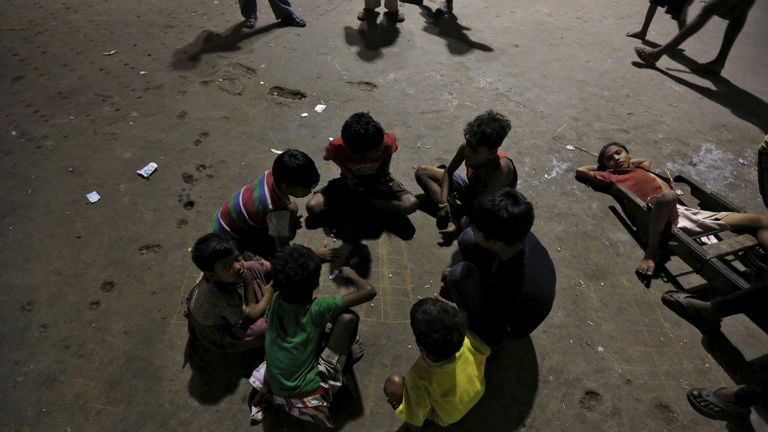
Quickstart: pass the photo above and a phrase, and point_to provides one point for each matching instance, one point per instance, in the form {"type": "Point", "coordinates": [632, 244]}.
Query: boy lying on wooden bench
{"type": "Point", "coordinates": [616, 168]}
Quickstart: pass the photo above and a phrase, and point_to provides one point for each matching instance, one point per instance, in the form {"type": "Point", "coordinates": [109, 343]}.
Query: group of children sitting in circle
{"type": "Point", "coordinates": [500, 285]}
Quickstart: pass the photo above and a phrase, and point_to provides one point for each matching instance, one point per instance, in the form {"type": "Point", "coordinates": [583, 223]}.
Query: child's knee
{"type": "Point", "coordinates": [667, 198]}
{"type": "Point", "coordinates": [316, 204]}
{"type": "Point", "coordinates": [409, 204]}
{"type": "Point", "coordinates": [422, 173]}
{"type": "Point", "coordinates": [347, 320]}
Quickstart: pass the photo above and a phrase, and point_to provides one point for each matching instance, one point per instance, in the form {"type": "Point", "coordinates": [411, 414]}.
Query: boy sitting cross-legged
{"type": "Point", "coordinates": [616, 167]}
{"type": "Point", "coordinates": [449, 377]}
{"type": "Point", "coordinates": [300, 374]}
{"type": "Point", "coordinates": [448, 195]}
{"type": "Point", "coordinates": [366, 199]}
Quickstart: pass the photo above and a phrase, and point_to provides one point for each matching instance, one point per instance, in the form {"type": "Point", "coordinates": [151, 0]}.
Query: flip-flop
{"type": "Point", "coordinates": [674, 301]}
{"type": "Point", "coordinates": [706, 402]}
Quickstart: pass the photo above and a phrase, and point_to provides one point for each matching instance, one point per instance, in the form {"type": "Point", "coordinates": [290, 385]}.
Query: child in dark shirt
{"type": "Point", "coordinates": [447, 194]}
{"type": "Point", "coordinates": [505, 279]}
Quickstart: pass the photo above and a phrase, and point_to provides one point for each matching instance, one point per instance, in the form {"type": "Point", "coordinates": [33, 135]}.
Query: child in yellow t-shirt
{"type": "Point", "coordinates": [448, 378]}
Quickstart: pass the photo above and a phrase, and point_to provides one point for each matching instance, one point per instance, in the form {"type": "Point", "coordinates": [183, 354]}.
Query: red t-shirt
{"type": "Point", "coordinates": [360, 166]}
{"type": "Point", "coordinates": [639, 181]}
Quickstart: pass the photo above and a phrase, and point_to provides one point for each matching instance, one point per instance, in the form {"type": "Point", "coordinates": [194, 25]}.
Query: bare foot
{"type": "Point", "coordinates": [449, 234]}
{"type": "Point", "coordinates": [647, 56]}
{"type": "Point", "coordinates": [646, 267]}
{"type": "Point", "coordinates": [637, 35]}
{"type": "Point", "coordinates": [710, 68]}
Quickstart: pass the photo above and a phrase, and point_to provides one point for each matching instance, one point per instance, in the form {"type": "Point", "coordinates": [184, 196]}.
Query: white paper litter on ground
{"type": "Point", "coordinates": [320, 108]}
{"type": "Point", "coordinates": [93, 197]}
{"type": "Point", "coordinates": [275, 151]}
{"type": "Point", "coordinates": [304, 114]}
{"type": "Point", "coordinates": [147, 170]}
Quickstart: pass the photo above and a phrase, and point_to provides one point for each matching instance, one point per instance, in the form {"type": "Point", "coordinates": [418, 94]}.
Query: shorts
{"type": "Point", "coordinates": [338, 193]}
{"type": "Point", "coordinates": [674, 8]}
{"type": "Point", "coordinates": [694, 221]}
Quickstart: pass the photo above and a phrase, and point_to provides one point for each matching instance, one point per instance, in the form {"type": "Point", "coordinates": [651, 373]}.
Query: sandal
{"type": "Point", "coordinates": [643, 54]}
{"type": "Point", "coordinates": [367, 14]}
{"type": "Point", "coordinates": [707, 403]}
{"type": "Point", "coordinates": [674, 301]}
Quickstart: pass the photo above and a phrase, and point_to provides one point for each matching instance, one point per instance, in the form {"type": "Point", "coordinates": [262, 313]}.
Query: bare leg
{"type": "Point", "coordinates": [664, 212]}
{"type": "Point", "coordinates": [682, 20]}
{"type": "Point", "coordinates": [750, 220]}
{"type": "Point", "coordinates": [344, 333]}
{"type": "Point", "coordinates": [651, 56]}
{"type": "Point", "coordinates": [428, 178]}
{"type": "Point", "coordinates": [640, 34]}
{"type": "Point", "coordinates": [715, 67]}
{"type": "Point", "coordinates": [406, 205]}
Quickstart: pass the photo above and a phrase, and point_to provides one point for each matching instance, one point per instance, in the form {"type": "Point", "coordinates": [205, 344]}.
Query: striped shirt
{"type": "Point", "coordinates": [249, 207]}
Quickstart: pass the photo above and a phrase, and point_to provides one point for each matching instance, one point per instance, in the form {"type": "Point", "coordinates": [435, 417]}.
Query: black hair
{"type": "Point", "coordinates": [211, 248]}
{"type": "Point", "coordinates": [295, 168]}
{"type": "Point", "coordinates": [505, 215]}
{"type": "Point", "coordinates": [488, 130]}
{"type": "Point", "coordinates": [361, 133]}
{"type": "Point", "coordinates": [602, 153]}
{"type": "Point", "coordinates": [439, 327]}
{"type": "Point", "coordinates": [295, 273]}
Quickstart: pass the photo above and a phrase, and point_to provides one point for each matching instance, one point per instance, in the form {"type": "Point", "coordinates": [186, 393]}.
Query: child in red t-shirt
{"type": "Point", "coordinates": [365, 196]}
{"type": "Point", "coordinates": [616, 167]}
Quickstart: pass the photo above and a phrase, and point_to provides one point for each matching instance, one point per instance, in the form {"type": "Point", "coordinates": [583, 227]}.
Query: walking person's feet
{"type": "Point", "coordinates": [709, 68]}
{"type": "Point", "coordinates": [394, 16]}
{"type": "Point", "coordinates": [717, 403]}
{"type": "Point", "coordinates": [637, 35]}
{"type": "Point", "coordinates": [444, 10]}
{"type": "Point", "coordinates": [367, 14]}
{"type": "Point", "coordinates": [249, 23]}
{"type": "Point", "coordinates": [292, 21]}
{"type": "Point", "coordinates": [647, 56]}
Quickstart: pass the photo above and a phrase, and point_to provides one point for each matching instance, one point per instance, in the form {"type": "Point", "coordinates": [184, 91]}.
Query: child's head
{"type": "Point", "coordinates": [295, 273]}
{"type": "Point", "coordinates": [217, 257]}
{"type": "Point", "coordinates": [439, 328]}
{"type": "Point", "coordinates": [483, 137]}
{"type": "Point", "coordinates": [501, 218]}
{"type": "Point", "coordinates": [295, 172]}
{"type": "Point", "coordinates": [361, 133]}
{"type": "Point", "coordinates": [613, 156]}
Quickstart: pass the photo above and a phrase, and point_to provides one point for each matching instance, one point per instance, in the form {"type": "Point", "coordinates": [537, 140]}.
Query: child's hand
{"type": "Point", "coordinates": [268, 290]}
{"type": "Point", "coordinates": [348, 272]}
{"type": "Point", "coordinates": [326, 253]}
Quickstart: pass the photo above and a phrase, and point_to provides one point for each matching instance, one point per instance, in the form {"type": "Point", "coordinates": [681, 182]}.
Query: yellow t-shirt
{"type": "Point", "coordinates": [444, 392]}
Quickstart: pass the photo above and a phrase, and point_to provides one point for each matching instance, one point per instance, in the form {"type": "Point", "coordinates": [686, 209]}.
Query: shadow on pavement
{"type": "Point", "coordinates": [448, 28]}
{"type": "Point", "coordinates": [740, 102]}
{"type": "Point", "coordinates": [208, 41]}
{"type": "Point", "coordinates": [511, 383]}
{"type": "Point", "coordinates": [741, 371]}
{"type": "Point", "coordinates": [370, 37]}
{"type": "Point", "coordinates": [216, 374]}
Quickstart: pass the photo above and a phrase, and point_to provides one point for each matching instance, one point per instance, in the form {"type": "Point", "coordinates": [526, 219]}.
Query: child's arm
{"type": "Point", "coordinates": [445, 181]}
{"type": "Point", "coordinates": [641, 163]}
{"type": "Point", "coordinates": [594, 178]}
{"type": "Point", "coordinates": [363, 294]}
{"type": "Point", "coordinates": [254, 311]}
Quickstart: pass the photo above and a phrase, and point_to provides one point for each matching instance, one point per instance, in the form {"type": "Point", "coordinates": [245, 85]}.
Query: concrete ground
{"type": "Point", "coordinates": [91, 296]}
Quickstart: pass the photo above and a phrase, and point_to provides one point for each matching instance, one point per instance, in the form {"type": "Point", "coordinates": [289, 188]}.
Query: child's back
{"type": "Point", "coordinates": [448, 379]}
